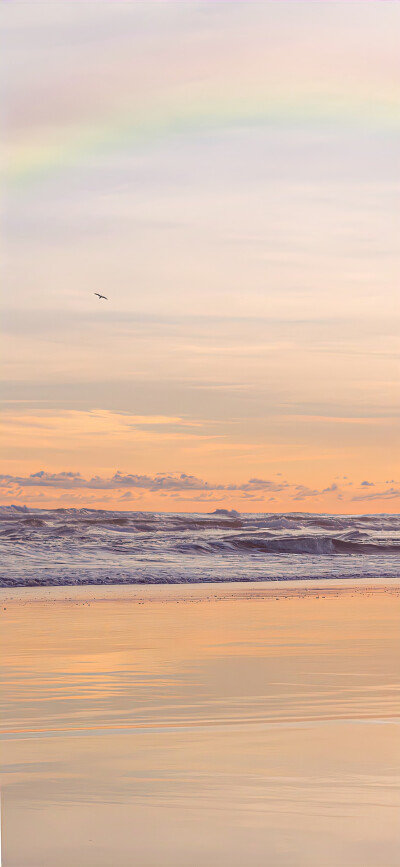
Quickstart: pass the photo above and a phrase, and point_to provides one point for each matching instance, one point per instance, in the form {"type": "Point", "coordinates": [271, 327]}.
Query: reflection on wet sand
{"type": "Point", "coordinates": [201, 727]}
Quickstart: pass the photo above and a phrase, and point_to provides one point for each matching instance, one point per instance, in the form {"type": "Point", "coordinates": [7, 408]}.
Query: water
{"type": "Point", "coordinates": [87, 546]}
{"type": "Point", "coordinates": [199, 726]}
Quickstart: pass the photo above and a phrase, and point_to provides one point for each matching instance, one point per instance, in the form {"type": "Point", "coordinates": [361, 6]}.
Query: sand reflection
{"type": "Point", "coordinates": [201, 728]}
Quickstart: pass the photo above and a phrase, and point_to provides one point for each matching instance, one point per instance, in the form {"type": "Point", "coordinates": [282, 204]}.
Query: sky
{"type": "Point", "coordinates": [227, 174]}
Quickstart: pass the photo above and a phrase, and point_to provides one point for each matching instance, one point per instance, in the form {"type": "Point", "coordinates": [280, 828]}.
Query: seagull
{"type": "Point", "coordinates": [100, 296]}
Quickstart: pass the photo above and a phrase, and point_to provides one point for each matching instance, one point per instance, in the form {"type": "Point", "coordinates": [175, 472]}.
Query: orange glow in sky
{"type": "Point", "coordinates": [225, 174]}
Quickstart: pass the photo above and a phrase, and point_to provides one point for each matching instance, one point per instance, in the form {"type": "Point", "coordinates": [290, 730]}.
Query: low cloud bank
{"type": "Point", "coordinates": [159, 482]}
{"type": "Point", "coordinates": [181, 483]}
{"type": "Point", "coordinates": [389, 494]}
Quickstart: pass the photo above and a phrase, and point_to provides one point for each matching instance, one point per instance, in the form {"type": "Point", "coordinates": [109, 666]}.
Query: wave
{"type": "Point", "coordinates": [100, 546]}
{"type": "Point", "coordinates": [315, 545]}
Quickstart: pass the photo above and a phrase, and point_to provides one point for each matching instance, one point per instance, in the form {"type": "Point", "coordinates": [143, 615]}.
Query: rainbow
{"type": "Point", "coordinates": [68, 147]}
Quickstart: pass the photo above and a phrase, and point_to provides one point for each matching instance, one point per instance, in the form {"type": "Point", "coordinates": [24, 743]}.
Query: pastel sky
{"type": "Point", "coordinates": [227, 173]}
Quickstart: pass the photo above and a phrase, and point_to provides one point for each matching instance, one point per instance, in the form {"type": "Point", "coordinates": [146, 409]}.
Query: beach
{"type": "Point", "coordinates": [200, 479]}
{"type": "Point", "coordinates": [202, 725]}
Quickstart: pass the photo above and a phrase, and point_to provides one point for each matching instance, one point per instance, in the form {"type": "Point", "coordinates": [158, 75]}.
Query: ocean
{"type": "Point", "coordinates": [88, 546]}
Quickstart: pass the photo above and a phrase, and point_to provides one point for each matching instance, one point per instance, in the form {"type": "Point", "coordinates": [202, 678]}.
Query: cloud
{"type": "Point", "coordinates": [302, 492]}
{"type": "Point", "coordinates": [41, 479]}
{"type": "Point", "coordinates": [389, 494]}
{"type": "Point", "coordinates": [182, 486]}
{"type": "Point", "coordinates": [159, 482]}
{"type": "Point", "coordinates": [162, 483]}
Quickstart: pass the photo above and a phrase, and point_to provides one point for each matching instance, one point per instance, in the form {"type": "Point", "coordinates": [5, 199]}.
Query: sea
{"type": "Point", "coordinates": [93, 546]}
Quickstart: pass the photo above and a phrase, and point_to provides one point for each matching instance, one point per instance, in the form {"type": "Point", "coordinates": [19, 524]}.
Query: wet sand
{"type": "Point", "coordinates": [197, 726]}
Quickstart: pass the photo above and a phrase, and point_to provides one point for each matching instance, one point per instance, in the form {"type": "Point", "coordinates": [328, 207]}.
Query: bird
{"type": "Point", "coordinates": [100, 296]}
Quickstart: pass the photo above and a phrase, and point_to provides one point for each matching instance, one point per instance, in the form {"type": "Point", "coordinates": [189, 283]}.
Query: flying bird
{"type": "Point", "coordinates": [100, 296]}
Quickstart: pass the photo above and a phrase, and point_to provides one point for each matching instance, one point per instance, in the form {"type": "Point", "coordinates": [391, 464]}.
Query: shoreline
{"type": "Point", "coordinates": [196, 592]}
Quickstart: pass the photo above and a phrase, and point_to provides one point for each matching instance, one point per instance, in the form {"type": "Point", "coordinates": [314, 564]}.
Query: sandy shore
{"type": "Point", "coordinates": [199, 726]}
